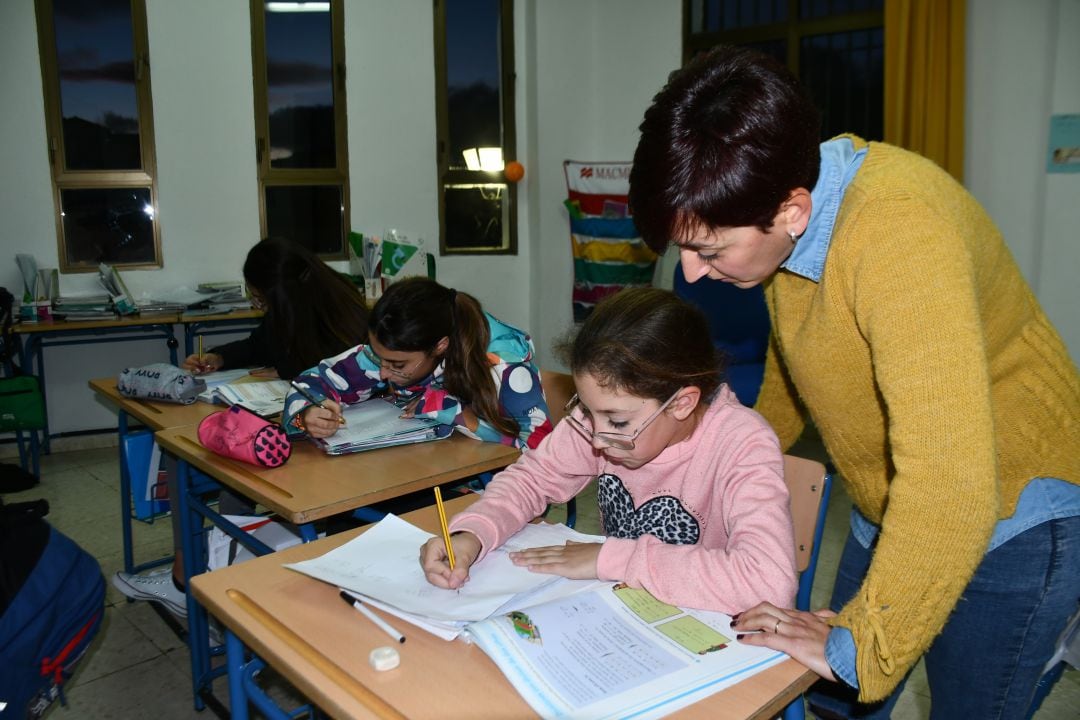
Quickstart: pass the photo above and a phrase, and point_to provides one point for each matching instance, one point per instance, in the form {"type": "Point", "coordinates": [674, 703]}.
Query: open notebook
{"type": "Point", "coordinates": [571, 648]}
{"type": "Point", "coordinates": [378, 423]}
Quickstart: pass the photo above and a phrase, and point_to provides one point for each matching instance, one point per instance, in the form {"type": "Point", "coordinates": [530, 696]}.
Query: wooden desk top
{"type": "Point", "coordinates": [313, 485]}
{"type": "Point", "coordinates": [29, 328]}
{"type": "Point", "coordinates": [436, 679]}
{"type": "Point", "coordinates": [154, 415]}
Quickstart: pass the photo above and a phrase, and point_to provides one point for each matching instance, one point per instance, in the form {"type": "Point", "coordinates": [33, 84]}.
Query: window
{"type": "Point", "coordinates": [835, 47]}
{"type": "Point", "coordinates": [95, 73]}
{"type": "Point", "coordinates": [298, 61]}
{"type": "Point", "coordinates": [474, 100]}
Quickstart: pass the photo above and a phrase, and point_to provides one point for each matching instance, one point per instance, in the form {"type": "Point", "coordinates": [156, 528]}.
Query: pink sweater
{"type": "Point", "coordinates": [706, 524]}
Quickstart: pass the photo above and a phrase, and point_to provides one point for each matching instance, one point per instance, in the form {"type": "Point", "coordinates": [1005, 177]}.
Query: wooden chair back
{"type": "Point", "coordinates": [805, 480]}
{"type": "Point", "coordinates": [558, 389]}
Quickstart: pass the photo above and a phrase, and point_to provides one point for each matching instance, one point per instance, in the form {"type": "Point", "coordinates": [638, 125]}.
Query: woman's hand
{"type": "Point", "coordinates": [800, 634]}
{"type": "Point", "coordinates": [437, 566]}
{"type": "Point", "coordinates": [322, 422]}
{"type": "Point", "coordinates": [573, 560]}
{"type": "Point", "coordinates": [201, 364]}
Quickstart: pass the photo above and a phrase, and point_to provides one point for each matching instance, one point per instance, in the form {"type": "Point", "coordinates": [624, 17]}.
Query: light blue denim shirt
{"type": "Point", "coordinates": [1042, 500]}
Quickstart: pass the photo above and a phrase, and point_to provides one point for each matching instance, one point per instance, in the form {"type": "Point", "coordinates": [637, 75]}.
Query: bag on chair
{"type": "Point", "coordinates": [242, 435]}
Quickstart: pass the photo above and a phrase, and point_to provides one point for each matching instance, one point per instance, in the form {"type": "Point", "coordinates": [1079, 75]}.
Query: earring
{"type": "Point", "coordinates": [791, 234]}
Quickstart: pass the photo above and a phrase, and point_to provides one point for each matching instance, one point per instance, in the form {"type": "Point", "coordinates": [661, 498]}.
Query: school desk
{"type": "Point", "coordinates": [34, 337]}
{"type": "Point", "coordinates": [155, 416]}
{"type": "Point", "coordinates": [265, 607]}
{"type": "Point", "coordinates": [310, 486]}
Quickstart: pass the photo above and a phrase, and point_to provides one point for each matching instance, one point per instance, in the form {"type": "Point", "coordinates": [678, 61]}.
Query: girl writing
{"type": "Point", "coordinates": [437, 354]}
{"type": "Point", "coordinates": [690, 482]}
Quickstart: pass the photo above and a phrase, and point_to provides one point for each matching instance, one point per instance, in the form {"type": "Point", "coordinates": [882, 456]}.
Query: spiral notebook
{"type": "Point", "coordinates": [378, 423]}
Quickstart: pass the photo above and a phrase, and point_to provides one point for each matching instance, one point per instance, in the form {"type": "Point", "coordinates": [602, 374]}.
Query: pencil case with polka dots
{"type": "Point", "coordinates": [242, 435]}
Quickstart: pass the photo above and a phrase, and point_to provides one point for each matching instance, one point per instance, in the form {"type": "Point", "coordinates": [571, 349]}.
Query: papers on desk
{"type": "Point", "coordinates": [378, 423]}
{"type": "Point", "coordinates": [571, 648]}
{"type": "Point", "coordinates": [264, 398]}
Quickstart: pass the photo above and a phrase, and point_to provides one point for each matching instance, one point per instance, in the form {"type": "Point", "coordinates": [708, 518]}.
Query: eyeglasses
{"type": "Point", "coordinates": [379, 363]}
{"type": "Point", "coordinates": [619, 441]}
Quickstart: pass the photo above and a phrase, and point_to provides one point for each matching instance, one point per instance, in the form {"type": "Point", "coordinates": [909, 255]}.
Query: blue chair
{"type": "Point", "coordinates": [739, 326]}
{"type": "Point", "coordinates": [809, 485]}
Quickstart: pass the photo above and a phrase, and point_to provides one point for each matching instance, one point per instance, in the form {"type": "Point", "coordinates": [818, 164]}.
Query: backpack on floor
{"type": "Point", "coordinates": [52, 600]}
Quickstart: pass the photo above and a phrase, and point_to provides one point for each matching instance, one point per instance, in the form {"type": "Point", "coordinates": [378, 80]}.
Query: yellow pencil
{"type": "Point", "coordinates": [445, 527]}
{"type": "Point", "coordinates": [200, 351]}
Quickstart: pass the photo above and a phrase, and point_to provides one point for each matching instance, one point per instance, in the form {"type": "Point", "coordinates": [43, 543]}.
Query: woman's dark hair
{"type": "Point", "coordinates": [647, 342]}
{"type": "Point", "coordinates": [724, 143]}
{"type": "Point", "coordinates": [311, 308]}
{"type": "Point", "coordinates": [415, 313]}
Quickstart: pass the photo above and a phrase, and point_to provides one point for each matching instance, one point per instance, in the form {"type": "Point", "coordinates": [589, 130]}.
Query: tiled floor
{"type": "Point", "coordinates": [137, 668]}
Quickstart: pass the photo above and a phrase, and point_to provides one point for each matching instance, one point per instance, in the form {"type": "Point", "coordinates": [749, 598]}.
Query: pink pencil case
{"type": "Point", "coordinates": [242, 435]}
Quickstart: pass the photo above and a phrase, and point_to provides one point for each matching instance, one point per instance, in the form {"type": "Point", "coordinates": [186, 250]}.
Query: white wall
{"type": "Point", "coordinates": [1022, 61]}
{"type": "Point", "coordinates": [585, 73]}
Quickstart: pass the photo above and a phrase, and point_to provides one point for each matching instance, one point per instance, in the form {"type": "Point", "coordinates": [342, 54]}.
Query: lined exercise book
{"type": "Point", "coordinates": [378, 423]}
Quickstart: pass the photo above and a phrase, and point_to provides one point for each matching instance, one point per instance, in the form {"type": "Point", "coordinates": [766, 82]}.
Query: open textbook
{"type": "Point", "coordinates": [265, 398]}
{"type": "Point", "coordinates": [571, 648]}
{"type": "Point", "coordinates": [378, 423]}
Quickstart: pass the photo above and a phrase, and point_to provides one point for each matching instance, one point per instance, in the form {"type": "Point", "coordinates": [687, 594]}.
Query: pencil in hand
{"type": "Point", "coordinates": [308, 396]}
{"type": "Point", "coordinates": [444, 526]}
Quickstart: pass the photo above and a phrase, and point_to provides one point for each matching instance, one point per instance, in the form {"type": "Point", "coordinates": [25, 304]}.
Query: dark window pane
{"type": "Point", "coordinates": [311, 215]}
{"type": "Point", "coordinates": [300, 89]}
{"type": "Point", "coordinates": [775, 48]}
{"type": "Point", "coordinates": [476, 216]}
{"type": "Point", "coordinates": [844, 73]}
{"type": "Point", "coordinates": [472, 73]}
{"type": "Point", "coordinates": [114, 225]}
{"type": "Point", "coordinates": [95, 60]}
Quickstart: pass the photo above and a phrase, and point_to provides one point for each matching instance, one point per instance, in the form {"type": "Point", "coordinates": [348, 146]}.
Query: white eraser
{"type": "Point", "coordinates": [384, 658]}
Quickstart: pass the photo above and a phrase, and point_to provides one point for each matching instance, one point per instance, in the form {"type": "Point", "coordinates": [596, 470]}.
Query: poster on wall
{"type": "Point", "coordinates": [1064, 151]}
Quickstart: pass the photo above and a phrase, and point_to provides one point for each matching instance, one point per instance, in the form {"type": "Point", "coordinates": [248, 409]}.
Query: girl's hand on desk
{"type": "Point", "coordinates": [322, 422]}
{"type": "Point", "coordinates": [207, 362]}
{"type": "Point", "coordinates": [573, 560]}
{"type": "Point", "coordinates": [436, 566]}
{"type": "Point", "coordinates": [800, 634]}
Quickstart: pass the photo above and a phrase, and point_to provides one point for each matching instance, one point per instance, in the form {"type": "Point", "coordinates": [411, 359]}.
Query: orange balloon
{"type": "Point", "coordinates": [514, 171]}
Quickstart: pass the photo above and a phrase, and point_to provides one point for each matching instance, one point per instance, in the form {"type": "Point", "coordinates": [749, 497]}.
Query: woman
{"type": "Point", "coordinates": [437, 354]}
{"type": "Point", "coordinates": [946, 399]}
{"type": "Point", "coordinates": [312, 312]}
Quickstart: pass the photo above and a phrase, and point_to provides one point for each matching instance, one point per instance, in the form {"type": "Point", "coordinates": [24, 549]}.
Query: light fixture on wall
{"type": "Point", "coordinates": [298, 6]}
{"type": "Point", "coordinates": [485, 159]}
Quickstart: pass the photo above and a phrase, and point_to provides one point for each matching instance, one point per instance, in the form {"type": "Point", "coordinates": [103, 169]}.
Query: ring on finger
{"type": "Point", "coordinates": [776, 628]}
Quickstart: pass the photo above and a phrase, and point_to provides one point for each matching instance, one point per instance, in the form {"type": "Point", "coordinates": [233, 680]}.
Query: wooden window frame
{"type": "Point", "coordinates": [270, 176]}
{"type": "Point", "coordinates": [507, 94]}
{"type": "Point", "coordinates": [65, 179]}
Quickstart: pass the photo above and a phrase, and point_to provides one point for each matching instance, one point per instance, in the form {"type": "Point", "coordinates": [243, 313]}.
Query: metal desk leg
{"type": "Point", "coordinates": [125, 496]}
{"type": "Point", "coordinates": [234, 660]}
{"type": "Point", "coordinates": [194, 563]}
{"type": "Point", "coordinates": [307, 532]}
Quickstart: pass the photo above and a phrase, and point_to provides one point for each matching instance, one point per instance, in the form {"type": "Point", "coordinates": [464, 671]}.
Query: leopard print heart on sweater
{"type": "Point", "coordinates": [663, 517]}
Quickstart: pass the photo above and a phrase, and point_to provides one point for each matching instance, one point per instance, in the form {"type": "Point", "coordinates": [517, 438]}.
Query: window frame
{"type": "Point", "coordinates": [792, 31]}
{"type": "Point", "coordinates": [507, 95]}
{"type": "Point", "coordinates": [65, 179]}
{"type": "Point", "coordinates": [269, 176]}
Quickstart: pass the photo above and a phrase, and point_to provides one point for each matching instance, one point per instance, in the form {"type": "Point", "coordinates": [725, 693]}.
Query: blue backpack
{"type": "Point", "coordinates": [52, 600]}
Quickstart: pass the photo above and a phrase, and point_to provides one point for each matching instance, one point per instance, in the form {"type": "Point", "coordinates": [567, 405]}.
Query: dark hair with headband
{"type": "Point", "coordinates": [647, 342]}
{"type": "Point", "coordinates": [414, 314]}
{"type": "Point", "coordinates": [312, 310]}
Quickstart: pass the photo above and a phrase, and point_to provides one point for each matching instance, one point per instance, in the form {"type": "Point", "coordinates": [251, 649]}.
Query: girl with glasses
{"type": "Point", "coordinates": [689, 482]}
{"type": "Point", "coordinates": [437, 354]}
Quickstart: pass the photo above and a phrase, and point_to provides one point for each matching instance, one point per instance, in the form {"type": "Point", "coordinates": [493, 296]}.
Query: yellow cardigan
{"type": "Point", "coordinates": [938, 386]}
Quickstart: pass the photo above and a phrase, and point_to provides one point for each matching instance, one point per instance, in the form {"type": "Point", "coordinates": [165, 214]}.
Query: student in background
{"type": "Point", "coordinates": [312, 312]}
{"type": "Point", "coordinates": [902, 325]}
{"type": "Point", "coordinates": [437, 354]}
{"type": "Point", "coordinates": [689, 482]}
